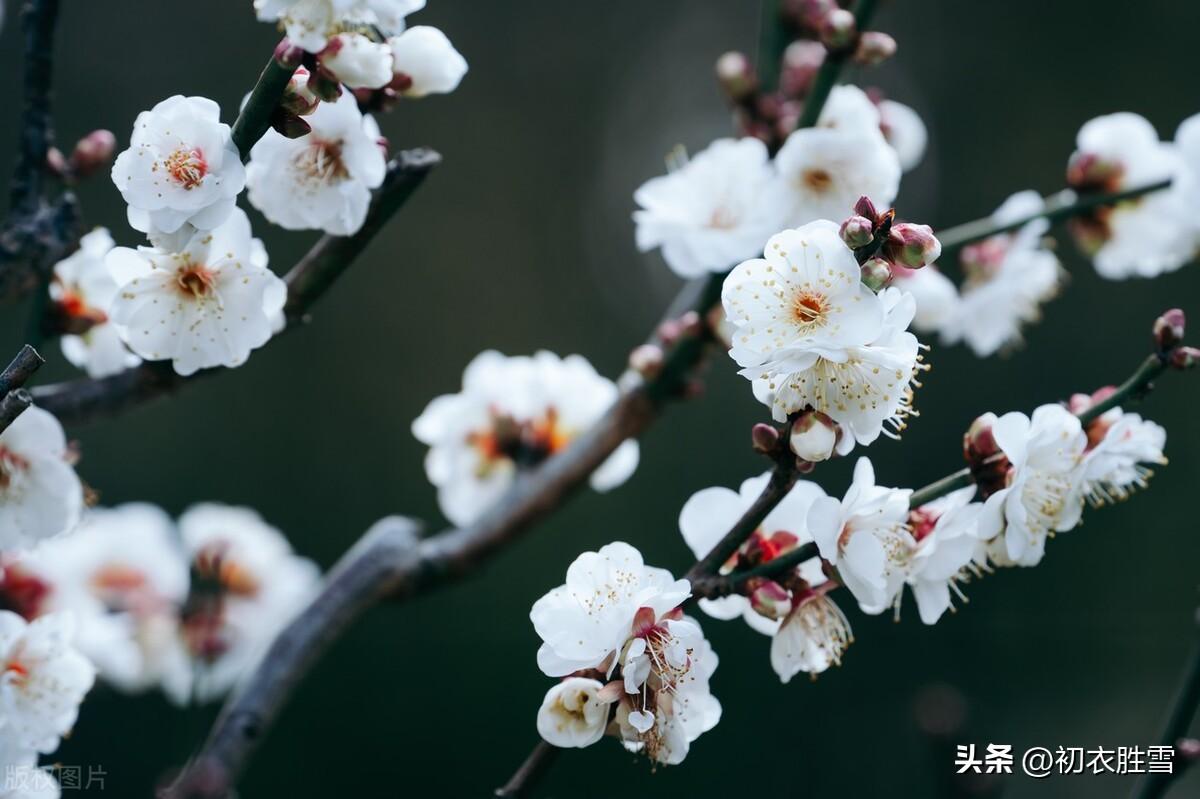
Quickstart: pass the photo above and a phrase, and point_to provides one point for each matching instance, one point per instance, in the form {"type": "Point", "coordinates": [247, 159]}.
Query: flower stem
{"type": "Point", "coordinates": [15, 400]}
{"type": "Point", "coordinates": [827, 75]}
{"type": "Point", "coordinates": [1065, 204]}
{"type": "Point", "coordinates": [264, 98]}
{"type": "Point", "coordinates": [940, 488]}
{"type": "Point", "coordinates": [772, 41]}
{"type": "Point", "coordinates": [535, 766]}
{"type": "Point", "coordinates": [1183, 710]}
{"type": "Point", "coordinates": [1135, 387]}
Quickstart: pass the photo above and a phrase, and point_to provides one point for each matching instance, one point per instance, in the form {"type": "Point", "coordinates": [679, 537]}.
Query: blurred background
{"type": "Point", "coordinates": [522, 240]}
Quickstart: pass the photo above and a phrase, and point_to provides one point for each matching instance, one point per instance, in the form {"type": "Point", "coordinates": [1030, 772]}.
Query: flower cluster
{"type": "Point", "coordinates": [632, 664]}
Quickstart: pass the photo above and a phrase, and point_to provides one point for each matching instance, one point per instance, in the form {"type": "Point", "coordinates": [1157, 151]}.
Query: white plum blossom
{"type": "Point", "coordinates": [208, 304]}
{"type": "Point", "coordinates": [572, 715]}
{"type": "Point", "coordinates": [935, 295]}
{"type": "Point", "coordinates": [40, 494]}
{"type": "Point", "coordinates": [181, 167]}
{"type": "Point", "coordinates": [904, 131]}
{"type": "Point", "coordinates": [83, 290]}
{"type": "Point", "coordinates": [1122, 448]}
{"type": "Point", "coordinates": [1009, 276]}
{"type": "Point", "coordinates": [425, 62]}
{"type": "Point", "coordinates": [357, 61]}
{"type": "Point", "coordinates": [310, 23]}
{"type": "Point", "coordinates": [43, 680]}
{"type": "Point", "coordinates": [717, 209]}
{"type": "Point", "coordinates": [1141, 237]}
{"type": "Point", "coordinates": [124, 577]}
{"type": "Point", "coordinates": [323, 180]}
{"type": "Point", "coordinates": [21, 778]}
{"type": "Point", "coordinates": [259, 583]}
{"type": "Point", "coordinates": [1041, 495]}
{"type": "Point", "coordinates": [825, 169]}
{"type": "Point", "coordinates": [867, 537]}
{"type": "Point", "coordinates": [1185, 189]}
{"type": "Point", "coordinates": [812, 637]}
{"type": "Point", "coordinates": [513, 412]}
{"type": "Point", "coordinates": [947, 535]}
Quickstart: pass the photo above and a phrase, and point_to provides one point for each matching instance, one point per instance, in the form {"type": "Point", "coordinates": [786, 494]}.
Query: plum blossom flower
{"type": "Point", "coordinates": [208, 304]}
{"type": "Point", "coordinates": [714, 211]}
{"type": "Point", "coordinates": [357, 61]}
{"type": "Point", "coordinates": [40, 495]}
{"type": "Point", "coordinates": [249, 586]}
{"type": "Point", "coordinates": [310, 23]}
{"type": "Point", "coordinates": [572, 715]}
{"type": "Point", "coordinates": [935, 295]}
{"type": "Point", "coordinates": [1122, 448]}
{"type": "Point", "coordinates": [425, 62]}
{"type": "Point", "coordinates": [322, 180]}
{"type": "Point", "coordinates": [513, 412]}
{"type": "Point", "coordinates": [124, 577]}
{"type": "Point", "coordinates": [828, 167]}
{"type": "Point", "coordinates": [1040, 496]}
{"type": "Point", "coordinates": [1009, 276]}
{"type": "Point", "coordinates": [867, 537]}
{"type": "Point", "coordinates": [947, 544]}
{"type": "Point", "coordinates": [43, 680]}
{"type": "Point", "coordinates": [22, 778]}
{"type": "Point", "coordinates": [83, 290]}
{"type": "Point", "coordinates": [812, 637]}
{"type": "Point", "coordinates": [1141, 237]}
{"type": "Point", "coordinates": [181, 167]}
{"type": "Point", "coordinates": [1185, 189]}
{"type": "Point", "coordinates": [904, 131]}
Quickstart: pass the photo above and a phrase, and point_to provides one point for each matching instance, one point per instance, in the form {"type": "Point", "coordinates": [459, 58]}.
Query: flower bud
{"type": "Point", "coordinates": [864, 207]}
{"type": "Point", "coordinates": [876, 274]}
{"type": "Point", "coordinates": [771, 600]}
{"type": "Point", "coordinates": [1168, 329]}
{"type": "Point", "coordinates": [287, 124]}
{"type": "Point", "coordinates": [764, 438]}
{"type": "Point", "coordinates": [912, 245]}
{"type": "Point", "coordinates": [857, 231]}
{"type": "Point", "coordinates": [736, 75]}
{"type": "Point", "coordinates": [92, 153]}
{"type": "Point", "coordinates": [1090, 172]}
{"type": "Point", "coordinates": [813, 437]}
{"type": "Point", "coordinates": [801, 60]}
{"type": "Point", "coordinates": [1183, 357]}
{"type": "Point", "coordinates": [288, 55]}
{"type": "Point", "coordinates": [874, 48]}
{"type": "Point", "coordinates": [808, 13]}
{"type": "Point", "coordinates": [298, 98]}
{"type": "Point", "coordinates": [838, 29]}
{"type": "Point", "coordinates": [978, 442]}
{"type": "Point", "coordinates": [1187, 750]}
{"type": "Point", "coordinates": [324, 85]}
{"type": "Point", "coordinates": [646, 360]}
{"type": "Point", "coordinates": [56, 162]}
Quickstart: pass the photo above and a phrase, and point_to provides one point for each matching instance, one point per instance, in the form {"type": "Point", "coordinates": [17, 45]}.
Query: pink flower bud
{"type": "Point", "coordinates": [813, 437]}
{"type": "Point", "coordinates": [771, 600]}
{"type": "Point", "coordinates": [764, 438]}
{"type": "Point", "coordinates": [1183, 357]}
{"type": "Point", "coordinates": [288, 55]}
{"type": "Point", "coordinates": [801, 60]}
{"type": "Point", "coordinates": [298, 98]}
{"type": "Point", "coordinates": [646, 360]}
{"type": "Point", "coordinates": [56, 162]}
{"type": "Point", "coordinates": [912, 245]}
{"type": "Point", "coordinates": [808, 13]}
{"type": "Point", "coordinates": [864, 207]}
{"type": "Point", "coordinates": [874, 48]}
{"type": "Point", "coordinates": [1089, 172]}
{"type": "Point", "coordinates": [287, 124]}
{"type": "Point", "coordinates": [736, 75]}
{"type": "Point", "coordinates": [876, 274]}
{"type": "Point", "coordinates": [838, 29]}
{"type": "Point", "coordinates": [979, 443]}
{"type": "Point", "coordinates": [857, 231]}
{"type": "Point", "coordinates": [92, 153]}
{"type": "Point", "coordinates": [1168, 329]}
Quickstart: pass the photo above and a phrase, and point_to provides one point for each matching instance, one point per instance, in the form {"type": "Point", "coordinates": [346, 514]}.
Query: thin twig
{"type": "Point", "coordinates": [532, 770]}
{"type": "Point", "coordinates": [14, 399]}
{"type": "Point", "coordinates": [14, 403]}
{"type": "Point", "coordinates": [264, 98]}
{"type": "Point", "coordinates": [831, 67]}
{"type": "Point", "coordinates": [78, 401]}
{"type": "Point", "coordinates": [1179, 719]}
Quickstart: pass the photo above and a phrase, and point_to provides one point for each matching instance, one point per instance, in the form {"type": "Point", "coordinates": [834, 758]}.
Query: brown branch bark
{"type": "Point", "coordinates": [15, 400]}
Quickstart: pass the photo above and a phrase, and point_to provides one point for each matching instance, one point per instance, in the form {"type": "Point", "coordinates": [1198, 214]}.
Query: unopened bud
{"type": "Point", "coordinates": [287, 124]}
{"type": "Point", "coordinates": [808, 13]}
{"type": "Point", "coordinates": [322, 84]}
{"type": "Point", "coordinates": [1168, 329]}
{"type": "Point", "coordinates": [864, 207]}
{"type": "Point", "coordinates": [912, 245]}
{"type": "Point", "coordinates": [838, 29]}
{"type": "Point", "coordinates": [56, 162]}
{"type": "Point", "coordinates": [92, 153]}
{"type": "Point", "coordinates": [298, 98]}
{"type": "Point", "coordinates": [736, 75]}
{"type": "Point", "coordinates": [764, 438]}
{"type": "Point", "coordinates": [857, 231]}
{"type": "Point", "coordinates": [770, 599]}
{"type": "Point", "coordinates": [1090, 172]}
{"type": "Point", "coordinates": [801, 61]}
{"type": "Point", "coordinates": [1183, 357]}
{"type": "Point", "coordinates": [979, 442]}
{"type": "Point", "coordinates": [288, 55]}
{"type": "Point", "coordinates": [646, 360]}
{"type": "Point", "coordinates": [813, 437]}
{"type": "Point", "coordinates": [876, 274]}
{"type": "Point", "coordinates": [874, 48]}
{"type": "Point", "coordinates": [1187, 750]}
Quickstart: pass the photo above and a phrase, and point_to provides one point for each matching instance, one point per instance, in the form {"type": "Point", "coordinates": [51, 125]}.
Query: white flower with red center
{"type": "Point", "coordinates": [714, 211]}
{"type": "Point", "coordinates": [1140, 237]}
{"type": "Point", "coordinates": [124, 577]}
{"type": "Point", "coordinates": [181, 167]}
{"type": "Point", "coordinates": [813, 636]}
{"type": "Point", "coordinates": [513, 413]}
{"type": "Point", "coordinates": [867, 389]}
{"type": "Point", "coordinates": [947, 535]}
{"type": "Point", "coordinates": [572, 715]}
{"type": "Point", "coordinates": [1040, 496]}
{"type": "Point", "coordinates": [425, 62]}
{"type": "Point", "coordinates": [904, 131]}
{"type": "Point", "coordinates": [83, 290]}
{"type": "Point", "coordinates": [310, 23]}
{"type": "Point", "coordinates": [1009, 276]}
{"type": "Point", "coordinates": [825, 169]}
{"type": "Point", "coordinates": [208, 304]}
{"type": "Point", "coordinates": [249, 585]}
{"type": "Point", "coordinates": [358, 61]}
{"type": "Point", "coordinates": [710, 513]}
{"type": "Point", "coordinates": [1122, 449]}
{"type": "Point", "coordinates": [43, 680]}
{"type": "Point", "coordinates": [323, 180]}
{"type": "Point", "coordinates": [867, 537]}
{"type": "Point", "coordinates": [40, 494]}
{"type": "Point", "coordinates": [935, 295]}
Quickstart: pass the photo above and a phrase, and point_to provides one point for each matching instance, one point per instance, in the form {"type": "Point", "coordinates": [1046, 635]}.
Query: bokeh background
{"type": "Point", "coordinates": [522, 240]}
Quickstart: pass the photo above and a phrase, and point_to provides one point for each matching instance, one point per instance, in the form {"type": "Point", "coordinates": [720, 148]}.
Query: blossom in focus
{"type": "Point", "coordinates": [425, 62]}
{"type": "Point", "coordinates": [1040, 496]}
{"type": "Point", "coordinates": [1009, 276]}
{"type": "Point", "coordinates": [825, 169]}
{"type": "Point", "coordinates": [40, 495]}
{"type": "Point", "coordinates": [323, 180]}
{"type": "Point", "coordinates": [1122, 448]}
{"type": "Point", "coordinates": [947, 543]}
{"type": "Point", "coordinates": [935, 296]}
{"type": "Point", "coordinates": [82, 291]}
{"type": "Point", "coordinates": [181, 167]}
{"type": "Point", "coordinates": [310, 23]}
{"type": "Point", "coordinates": [248, 586]}
{"type": "Point", "coordinates": [904, 131]}
{"type": "Point", "coordinates": [812, 637]}
{"type": "Point", "coordinates": [1141, 237]}
{"type": "Point", "coordinates": [513, 413]}
{"type": "Point", "coordinates": [205, 305]}
{"type": "Point", "coordinates": [357, 61]}
{"type": "Point", "coordinates": [867, 537]}
{"type": "Point", "coordinates": [717, 209]}
{"type": "Point", "coordinates": [571, 715]}
{"type": "Point", "coordinates": [43, 680]}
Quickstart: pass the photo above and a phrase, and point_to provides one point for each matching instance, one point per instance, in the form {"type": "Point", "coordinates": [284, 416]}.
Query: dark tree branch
{"type": "Point", "coordinates": [15, 400]}
{"type": "Point", "coordinates": [1179, 719]}
{"type": "Point", "coordinates": [264, 98]}
{"type": "Point", "coordinates": [534, 767]}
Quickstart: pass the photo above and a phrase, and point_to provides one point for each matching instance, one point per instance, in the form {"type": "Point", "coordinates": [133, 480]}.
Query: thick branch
{"type": "Point", "coordinates": [78, 401]}
{"type": "Point", "coordinates": [534, 767]}
{"type": "Point", "coordinates": [264, 98]}
{"type": "Point", "coordinates": [1183, 710]}
{"type": "Point", "coordinates": [38, 18]}
{"type": "Point", "coordinates": [15, 400]}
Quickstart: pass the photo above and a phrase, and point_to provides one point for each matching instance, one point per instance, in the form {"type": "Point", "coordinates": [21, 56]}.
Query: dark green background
{"type": "Point", "coordinates": [522, 240]}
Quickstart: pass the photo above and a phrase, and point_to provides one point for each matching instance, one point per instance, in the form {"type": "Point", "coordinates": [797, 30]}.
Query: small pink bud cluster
{"type": "Point", "coordinates": [989, 467]}
{"type": "Point", "coordinates": [883, 245]}
{"type": "Point", "coordinates": [1169, 330]}
{"type": "Point", "coordinates": [92, 154]}
{"type": "Point", "coordinates": [811, 437]}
